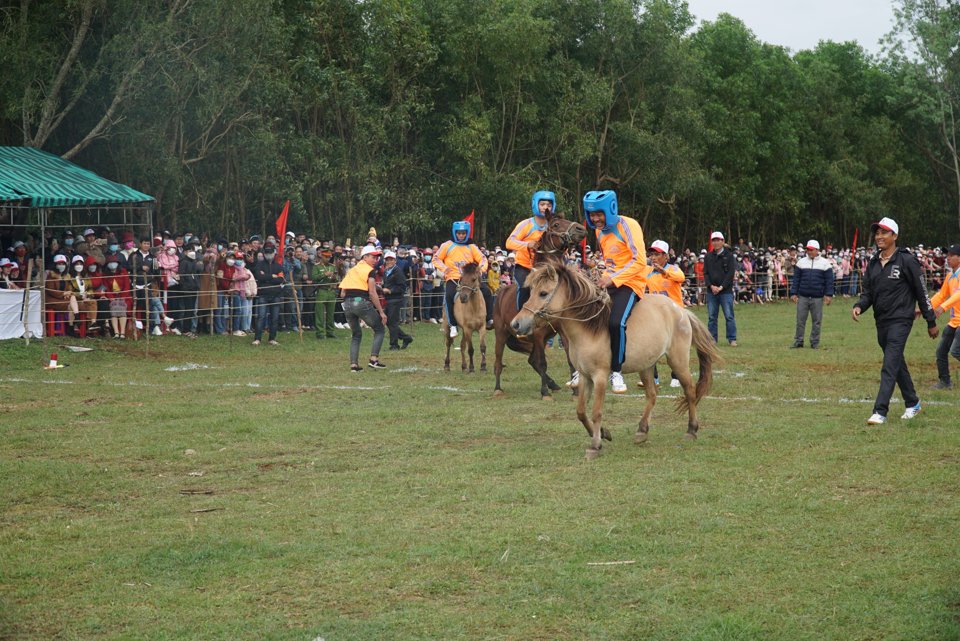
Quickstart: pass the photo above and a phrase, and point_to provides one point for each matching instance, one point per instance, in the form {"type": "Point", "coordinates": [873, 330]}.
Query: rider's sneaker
{"type": "Point", "coordinates": [617, 386]}
{"type": "Point", "coordinates": [876, 419]}
{"type": "Point", "coordinates": [911, 412]}
{"type": "Point", "coordinates": [453, 331]}
{"type": "Point", "coordinates": [574, 380]}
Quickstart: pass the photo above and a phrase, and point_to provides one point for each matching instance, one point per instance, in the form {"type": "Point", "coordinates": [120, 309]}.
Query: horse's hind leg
{"type": "Point", "coordinates": [538, 362]}
{"type": "Point", "coordinates": [498, 360]}
{"type": "Point", "coordinates": [650, 390]}
{"type": "Point", "coordinates": [681, 367]}
{"type": "Point", "coordinates": [483, 348]}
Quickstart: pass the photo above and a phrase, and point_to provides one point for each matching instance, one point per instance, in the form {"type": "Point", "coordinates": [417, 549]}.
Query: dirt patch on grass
{"type": "Point", "coordinates": [284, 393]}
{"type": "Point", "coordinates": [26, 405]}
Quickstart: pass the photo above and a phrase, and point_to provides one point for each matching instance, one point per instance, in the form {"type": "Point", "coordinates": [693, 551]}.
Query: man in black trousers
{"type": "Point", "coordinates": [893, 285]}
{"type": "Point", "coordinates": [394, 287]}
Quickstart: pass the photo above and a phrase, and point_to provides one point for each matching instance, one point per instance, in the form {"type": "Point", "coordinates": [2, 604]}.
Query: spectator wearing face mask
{"type": "Point", "coordinates": [241, 277]}
{"type": "Point", "coordinates": [269, 275]}
{"type": "Point", "coordinates": [59, 295]}
{"type": "Point", "coordinates": [168, 265]}
{"type": "Point", "coordinates": [224, 273]}
{"type": "Point", "coordinates": [432, 280]}
{"type": "Point", "coordinates": [116, 289]}
{"type": "Point", "coordinates": [190, 269]}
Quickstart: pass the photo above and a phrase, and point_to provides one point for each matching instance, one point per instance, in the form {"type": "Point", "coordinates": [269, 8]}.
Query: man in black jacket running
{"type": "Point", "coordinates": [893, 285]}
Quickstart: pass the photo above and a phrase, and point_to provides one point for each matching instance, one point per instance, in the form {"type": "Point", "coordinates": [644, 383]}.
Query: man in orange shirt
{"type": "Point", "coordinates": [625, 257]}
{"type": "Point", "coordinates": [526, 234]}
{"type": "Point", "coordinates": [948, 299]}
{"type": "Point", "coordinates": [666, 280]}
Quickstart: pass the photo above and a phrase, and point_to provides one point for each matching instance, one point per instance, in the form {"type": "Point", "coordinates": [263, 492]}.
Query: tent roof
{"type": "Point", "coordinates": [45, 180]}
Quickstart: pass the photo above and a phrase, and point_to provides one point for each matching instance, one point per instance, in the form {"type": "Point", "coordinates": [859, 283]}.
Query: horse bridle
{"type": "Point", "coordinates": [547, 315]}
{"type": "Point", "coordinates": [566, 240]}
{"type": "Point", "coordinates": [461, 286]}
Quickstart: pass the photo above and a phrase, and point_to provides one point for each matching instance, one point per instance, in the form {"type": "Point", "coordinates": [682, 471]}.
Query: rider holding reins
{"type": "Point", "coordinates": [527, 234]}
{"type": "Point", "coordinates": [450, 259]}
{"type": "Point", "coordinates": [624, 253]}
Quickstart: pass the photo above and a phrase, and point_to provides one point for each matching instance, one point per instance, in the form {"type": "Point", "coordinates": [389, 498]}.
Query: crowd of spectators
{"type": "Point", "coordinates": [119, 284]}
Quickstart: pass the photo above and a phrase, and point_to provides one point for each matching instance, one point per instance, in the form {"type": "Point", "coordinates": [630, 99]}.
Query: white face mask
{"type": "Point", "coordinates": [61, 267]}
{"type": "Point", "coordinates": [78, 268]}
{"type": "Point", "coordinates": [112, 265]}
{"type": "Point", "coordinates": [92, 268]}
{"type": "Point", "coordinates": [171, 250]}
{"type": "Point", "coordinates": [192, 255]}
{"type": "Point", "coordinates": [230, 262]}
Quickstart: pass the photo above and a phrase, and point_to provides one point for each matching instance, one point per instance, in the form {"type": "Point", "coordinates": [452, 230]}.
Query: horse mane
{"type": "Point", "coordinates": [469, 269]}
{"type": "Point", "coordinates": [585, 301]}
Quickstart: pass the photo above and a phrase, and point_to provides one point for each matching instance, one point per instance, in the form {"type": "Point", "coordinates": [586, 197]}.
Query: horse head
{"type": "Point", "coordinates": [561, 234]}
{"type": "Point", "coordinates": [469, 282]}
{"type": "Point", "coordinates": [563, 294]}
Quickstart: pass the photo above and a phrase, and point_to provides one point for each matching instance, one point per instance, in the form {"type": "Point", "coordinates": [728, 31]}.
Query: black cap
{"type": "Point", "coordinates": [254, 237]}
{"type": "Point", "coordinates": [954, 249]}
{"type": "Point", "coordinates": [68, 233]}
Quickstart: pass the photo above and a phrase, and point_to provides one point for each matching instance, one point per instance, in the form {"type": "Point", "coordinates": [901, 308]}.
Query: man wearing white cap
{"type": "Point", "coordinates": [361, 302]}
{"type": "Point", "coordinates": [719, 267]}
{"type": "Point", "coordinates": [810, 288]}
{"type": "Point", "coordinates": [893, 285]}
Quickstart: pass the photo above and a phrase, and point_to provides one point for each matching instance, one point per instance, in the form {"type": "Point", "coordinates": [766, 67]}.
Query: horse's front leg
{"type": "Point", "coordinates": [465, 346]}
{"type": "Point", "coordinates": [536, 362]}
{"type": "Point", "coordinates": [650, 390]}
{"type": "Point", "coordinates": [599, 393]}
{"type": "Point", "coordinates": [566, 350]}
{"type": "Point", "coordinates": [449, 342]}
{"type": "Point", "coordinates": [498, 359]}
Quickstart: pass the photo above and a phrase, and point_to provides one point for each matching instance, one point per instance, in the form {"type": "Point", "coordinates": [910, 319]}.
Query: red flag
{"type": "Point", "coordinates": [856, 232]}
{"type": "Point", "coordinates": [282, 230]}
{"type": "Point", "coordinates": [469, 219]}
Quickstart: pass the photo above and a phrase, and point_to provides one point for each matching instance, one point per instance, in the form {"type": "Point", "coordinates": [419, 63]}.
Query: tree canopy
{"type": "Point", "coordinates": [408, 114]}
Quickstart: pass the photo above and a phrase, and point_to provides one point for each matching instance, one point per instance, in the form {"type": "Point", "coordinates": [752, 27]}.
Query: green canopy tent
{"type": "Point", "coordinates": [41, 194]}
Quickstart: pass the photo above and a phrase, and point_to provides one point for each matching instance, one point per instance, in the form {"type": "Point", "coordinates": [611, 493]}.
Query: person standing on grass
{"type": "Point", "coordinates": [325, 278]}
{"type": "Point", "coordinates": [394, 288]}
{"type": "Point", "coordinates": [948, 299]}
{"type": "Point", "coordinates": [719, 268]}
{"type": "Point", "coordinates": [361, 302]}
{"type": "Point", "coordinates": [811, 287]}
{"type": "Point", "coordinates": [667, 280]}
{"type": "Point", "coordinates": [893, 285]}
{"type": "Point", "coordinates": [269, 276]}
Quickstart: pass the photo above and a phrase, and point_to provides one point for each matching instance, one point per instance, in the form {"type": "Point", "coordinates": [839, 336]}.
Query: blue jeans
{"type": "Point", "coordinates": [246, 320]}
{"type": "Point", "coordinates": [223, 309]}
{"type": "Point", "coordinates": [268, 312]}
{"type": "Point", "coordinates": [714, 303]}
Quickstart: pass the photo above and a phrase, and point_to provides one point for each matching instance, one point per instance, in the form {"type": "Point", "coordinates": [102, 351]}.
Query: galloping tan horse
{"type": "Point", "coordinates": [561, 234]}
{"type": "Point", "coordinates": [566, 299]}
{"type": "Point", "coordinates": [471, 313]}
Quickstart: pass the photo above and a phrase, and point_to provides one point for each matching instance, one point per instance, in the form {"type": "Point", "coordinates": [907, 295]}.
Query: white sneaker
{"type": "Point", "coordinates": [239, 333]}
{"type": "Point", "coordinates": [674, 382]}
{"type": "Point", "coordinates": [574, 380]}
{"type": "Point", "coordinates": [877, 419]}
{"type": "Point", "coordinates": [176, 331]}
{"type": "Point", "coordinates": [617, 386]}
{"type": "Point", "coordinates": [911, 412]}
{"type": "Point", "coordinates": [167, 321]}
{"type": "Point", "coordinates": [156, 331]}
{"type": "Point", "coordinates": [453, 331]}
{"type": "Point", "coordinates": [434, 321]}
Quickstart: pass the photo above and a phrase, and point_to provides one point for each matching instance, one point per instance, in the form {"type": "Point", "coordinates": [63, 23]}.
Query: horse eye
{"type": "Point", "coordinates": [543, 294]}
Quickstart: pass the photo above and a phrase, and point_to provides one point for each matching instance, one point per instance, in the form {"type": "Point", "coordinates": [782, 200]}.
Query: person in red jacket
{"type": "Point", "coordinates": [116, 289]}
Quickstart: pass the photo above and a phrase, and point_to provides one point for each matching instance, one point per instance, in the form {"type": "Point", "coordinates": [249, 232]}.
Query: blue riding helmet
{"type": "Point", "coordinates": [460, 225]}
{"type": "Point", "coordinates": [543, 195]}
{"type": "Point", "coordinates": [605, 201]}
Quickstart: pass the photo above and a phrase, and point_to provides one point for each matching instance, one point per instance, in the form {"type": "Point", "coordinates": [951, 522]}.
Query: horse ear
{"type": "Point", "coordinates": [560, 214]}
{"type": "Point", "coordinates": [550, 271]}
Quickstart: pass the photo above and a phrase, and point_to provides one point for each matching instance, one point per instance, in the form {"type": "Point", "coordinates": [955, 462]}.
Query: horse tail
{"type": "Point", "coordinates": [707, 354]}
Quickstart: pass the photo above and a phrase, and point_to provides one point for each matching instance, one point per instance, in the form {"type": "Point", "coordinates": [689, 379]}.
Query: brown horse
{"type": "Point", "coordinates": [471, 313]}
{"type": "Point", "coordinates": [561, 234]}
{"type": "Point", "coordinates": [569, 301]}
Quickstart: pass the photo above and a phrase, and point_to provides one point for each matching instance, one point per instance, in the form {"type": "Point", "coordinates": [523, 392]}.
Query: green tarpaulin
{"type": "Point", "coordinates": [45, 180]}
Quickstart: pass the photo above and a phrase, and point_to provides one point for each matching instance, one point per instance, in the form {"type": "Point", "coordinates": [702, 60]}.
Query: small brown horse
{"type": "Point", "coordinates": [561, 234]}
{"type": "Point", "coordinates": [569, 301]}
{"type": "Point", "coordinates": [470, 310]}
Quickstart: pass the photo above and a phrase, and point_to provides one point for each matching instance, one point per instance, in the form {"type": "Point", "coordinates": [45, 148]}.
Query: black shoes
{"type": "Point", "coordinates": [942, 385]}
{"type": "Point", "coordinates": [406, 342]}
{"type": "Point", "coordinates": [376, 365]}
{"type": "Point", "coordinates": [796, 346]}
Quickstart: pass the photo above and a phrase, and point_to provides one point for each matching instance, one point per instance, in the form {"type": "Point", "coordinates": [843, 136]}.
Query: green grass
{"type": "Point", "coordinates": [410, 510]}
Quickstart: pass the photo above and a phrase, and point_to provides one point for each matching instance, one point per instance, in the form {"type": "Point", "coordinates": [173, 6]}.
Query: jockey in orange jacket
{"type": "Point", "coordinates": [625, 258]}
{"type": "Point", "coordinates": [526, 234]}
{"type": "Point", "coordinates": [450, 259]}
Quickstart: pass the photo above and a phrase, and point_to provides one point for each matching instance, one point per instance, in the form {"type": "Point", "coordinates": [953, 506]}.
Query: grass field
{"type": "Point", "coordinates": [272, 494]}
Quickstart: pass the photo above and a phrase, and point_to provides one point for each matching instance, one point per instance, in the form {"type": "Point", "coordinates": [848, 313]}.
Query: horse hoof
{"type": "Point", "coordinates": [605, 434]}
{"type": "Point", "coordinates": [497, 393]}
{"type": "Point", "coordinates": [640, 437]}
{"type": "Point", "coordinates": [483, 370]}
{"type": "Point", "coordinates": [446, 369]}
{"type": "Point", "coordinates": [546, 397]}
{"type": "Point", "coordinates": [591, 454]}
{"type": "Point", "coordinates": [553, 385]}
{"type": "Point", "coordinates": [691, 435]}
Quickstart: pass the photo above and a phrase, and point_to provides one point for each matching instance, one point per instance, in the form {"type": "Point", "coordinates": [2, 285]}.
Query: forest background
{"type": "Point", "coordinates": [408, 114]}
